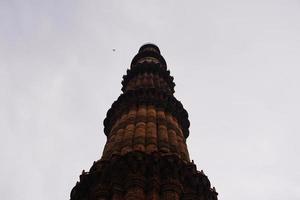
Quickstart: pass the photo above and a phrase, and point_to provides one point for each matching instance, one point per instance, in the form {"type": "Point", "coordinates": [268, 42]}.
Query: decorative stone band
{"type": "Point", "coordinates": [141, 176]}
{"type": "Point", "coordinates": [148, 75]}
{"type": "Point", "coordinates": [150, 96]}
{"type": "Point", "coordinates": [140, 57]}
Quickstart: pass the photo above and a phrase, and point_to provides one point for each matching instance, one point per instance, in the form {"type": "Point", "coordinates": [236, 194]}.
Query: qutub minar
{"type": "Point", "coordinates": [145, 156]}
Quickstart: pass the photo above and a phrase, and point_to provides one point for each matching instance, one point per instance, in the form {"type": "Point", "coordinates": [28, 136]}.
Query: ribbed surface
{"type": "Point", "coordinates": [148, 75]}
{"type": "Point", "coordinates": [146, 129]}
{"type": "Point", "coordinates": [147, 80]}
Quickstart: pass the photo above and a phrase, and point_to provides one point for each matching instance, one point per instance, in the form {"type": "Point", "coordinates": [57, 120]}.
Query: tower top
{"type": "Point", "coordinates": [149, 47]}
{"type": "Point", "coordinates": [150, 53]}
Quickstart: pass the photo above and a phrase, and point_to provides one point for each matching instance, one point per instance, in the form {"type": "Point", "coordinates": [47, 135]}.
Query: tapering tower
{"type": "Point", "coordinates": [145, 156]}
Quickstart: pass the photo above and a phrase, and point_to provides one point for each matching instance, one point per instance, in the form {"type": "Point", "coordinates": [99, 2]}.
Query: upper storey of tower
{"type": "Point", "coordinates": [148, 70]}
{"type": "Point", "coordinates": [147, 82]}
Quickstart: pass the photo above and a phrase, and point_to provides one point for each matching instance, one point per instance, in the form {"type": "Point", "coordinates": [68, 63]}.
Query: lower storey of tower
{"type": "Point", "coordinates": [141, 176]}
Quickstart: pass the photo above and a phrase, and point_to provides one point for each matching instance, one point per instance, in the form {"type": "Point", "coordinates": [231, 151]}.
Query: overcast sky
{"type": "Point", "coordinates": [236, 69]}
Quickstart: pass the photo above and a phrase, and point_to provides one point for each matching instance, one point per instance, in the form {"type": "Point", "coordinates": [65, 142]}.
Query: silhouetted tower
{"type": "Point", "coordinates": [145, 156]}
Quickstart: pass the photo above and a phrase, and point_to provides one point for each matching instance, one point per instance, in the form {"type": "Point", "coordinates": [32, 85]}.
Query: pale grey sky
{"type": "Point", "coordinates": [236, 69]}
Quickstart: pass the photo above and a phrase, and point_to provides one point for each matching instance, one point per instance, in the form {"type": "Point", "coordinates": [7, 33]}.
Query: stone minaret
{"type": "Point", "coordinates": [145, 156]}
